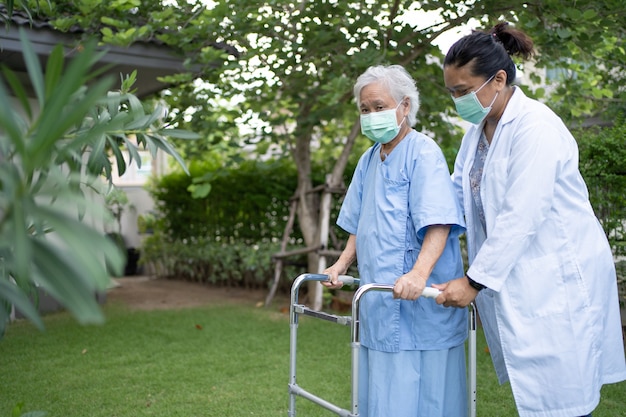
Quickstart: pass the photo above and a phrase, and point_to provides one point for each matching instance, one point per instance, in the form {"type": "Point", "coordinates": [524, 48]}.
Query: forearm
{"type": "Point", "coordinates": [348, 255]}
{"type": "Point", "coordinates": [410, 285]}
{"type": "Point", "coordinates": [434, 243]}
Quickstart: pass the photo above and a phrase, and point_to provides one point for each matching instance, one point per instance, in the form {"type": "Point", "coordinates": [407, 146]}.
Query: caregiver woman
{"type": "Point", "coordinates": [541, 269]}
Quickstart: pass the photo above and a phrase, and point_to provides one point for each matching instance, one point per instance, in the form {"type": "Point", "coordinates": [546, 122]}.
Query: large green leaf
{"type": "Point", "coordinates": [18, 90]}
{"type": "Point", "coordinates": [9, 121]}
{"type": "Point", "coordinates": [56, 272]}
{"type": "Point", "coordinates": [54, 69]}
{"type": "Point", "coordinates": [89, 258]}
{"type": "Point", "coordinates": [10, 293]}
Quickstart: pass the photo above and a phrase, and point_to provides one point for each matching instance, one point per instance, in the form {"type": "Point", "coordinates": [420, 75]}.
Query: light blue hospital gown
{"type": "Point", "coordinates": [388, 206]}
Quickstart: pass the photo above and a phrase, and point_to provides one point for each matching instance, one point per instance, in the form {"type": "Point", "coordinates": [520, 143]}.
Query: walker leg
{"type": "Point", "coordinates": [471, 353]}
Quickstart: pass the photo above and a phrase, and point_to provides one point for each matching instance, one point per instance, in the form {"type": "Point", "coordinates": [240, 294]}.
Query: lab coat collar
{"type": "Point", "coordinates": [514, 107]}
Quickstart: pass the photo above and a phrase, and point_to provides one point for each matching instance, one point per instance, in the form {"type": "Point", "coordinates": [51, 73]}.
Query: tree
{"type": "Point", "coordinates": [291, 76]}
{"type": "Point", "coordinates": [584, 48]}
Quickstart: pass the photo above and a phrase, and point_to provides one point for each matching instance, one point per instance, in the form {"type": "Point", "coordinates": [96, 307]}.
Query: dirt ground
{"type": "Point", "coordinates": [147, 293]}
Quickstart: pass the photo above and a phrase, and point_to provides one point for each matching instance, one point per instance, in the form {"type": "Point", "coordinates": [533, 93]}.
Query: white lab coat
{"type": "Point", "coordinates": [550, 312]}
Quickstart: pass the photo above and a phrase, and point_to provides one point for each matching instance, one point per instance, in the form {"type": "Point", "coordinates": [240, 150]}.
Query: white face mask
{"type": "Point", "coordinates": [381, 126]}
{"type": "Point", "coordinates": [469, 107]}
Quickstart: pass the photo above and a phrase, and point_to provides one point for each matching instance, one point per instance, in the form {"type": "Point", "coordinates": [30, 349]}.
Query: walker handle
{"type": "Point", "coordinates": [430, 292]}
{"type": "Point", "coordinates": [347, 279]}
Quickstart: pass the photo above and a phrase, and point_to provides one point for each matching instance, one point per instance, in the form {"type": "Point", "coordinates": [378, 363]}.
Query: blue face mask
{"type": "Point", "coordinates": [381, 126]}
{"type": "Point", "coordinates": [469, 107]}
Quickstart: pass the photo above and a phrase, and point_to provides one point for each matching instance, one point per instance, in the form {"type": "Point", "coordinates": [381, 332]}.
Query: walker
{"type": "Point", "coordinates": [353, 321]}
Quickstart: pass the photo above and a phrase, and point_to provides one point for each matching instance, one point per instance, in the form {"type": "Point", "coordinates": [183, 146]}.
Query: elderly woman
{"type": "Point", "coordinates": [403, 221]}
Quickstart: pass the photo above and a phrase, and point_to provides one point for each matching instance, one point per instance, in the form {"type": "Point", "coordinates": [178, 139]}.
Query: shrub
{"type": "Point", "coordinates": [603, 165]}
{"type": "Point", "coordinates": [249, 202]}
{"type": "Point", "coordinates": [205, 260]}
{"type": "Point", "coordinates": [53, 156]}
{"type": "Point", "coordinates": [228, 236]}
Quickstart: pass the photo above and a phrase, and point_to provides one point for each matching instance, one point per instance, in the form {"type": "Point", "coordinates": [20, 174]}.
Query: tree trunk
{"type": "Point", "coordinates": [314, 212]}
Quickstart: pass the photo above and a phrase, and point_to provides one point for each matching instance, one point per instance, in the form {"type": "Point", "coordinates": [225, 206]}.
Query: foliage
{"type": "Point", "coordinates": [302, 58]}
{"type": "Point", "coordinates": [248, 202]}
{"type": "Point", "coordinates": [245, 212]}
{"type": "Point", "coordinates": [52, 154]}
{"type": "Point", "coordinates": [603, 165]}
{"type": "Point", "coordinates": [620, 267]}
{"type": "Point", "coordinates": [277, 76]}
{"type": "Point", "coordinates": [11, 5]}
{"type": "Point", "coordinates": [116, 201]}
{"type": "Point", "coordinates": [583, 47]}
{"type": "Point", "coordinates": [228, 236]}
{"type": "Point", "coordinates": [235, 264]}
{"type": "Point", "coordinates": [146, 223]}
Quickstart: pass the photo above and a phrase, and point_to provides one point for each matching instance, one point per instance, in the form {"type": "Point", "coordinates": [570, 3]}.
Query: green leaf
{"type": "Point", "coordinates": [589, 14]}
{"type": "Point", "coordinates": [17, 410]}
{"type": "Point", "coordinates": [21, 244]}
{"type": "Point", "coordinates": [180, 134]}
{"type": "Point", "coordinates": [54, 69]}
{"type": "Point", "coordinates": [90, 260]}
{"type": "Point", "coordinates": [56, 273]}
{"type": "Point", "coordinates": [139, 122]}
{"type": "Point", "coordinates": [564, 33]}
{"type": "Point", "coordinates": [33, 66]}
{"type": "Point", "coordinates": [9, 122]}
{"type": "Point", "coordinates": [56, 118]}
{"type": "Point", "coordinates": [18, 90]}
{"type": "Point", "coordinates": [163, 144]}
{"type": "Point", "coordinates": [199, 190]}
{"type": "Point", "coordinates": [128, 82]}
{"type": "Point", "coordinates": [135, 105]}
{"type": "Point", "coordinates": [12, 294]}
{"type": "Point", "coordinates": [119, 157]}
{"type": "Point", "coordinates": [132, 152]}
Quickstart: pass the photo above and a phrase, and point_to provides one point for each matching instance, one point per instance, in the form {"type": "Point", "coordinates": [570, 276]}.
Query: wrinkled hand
{"type": "Point", "coordinates": [409, 286]}
{"type": "Point", "coordinates": [456, 293]}
{"type": "Point", "coordinates": [333, 275]}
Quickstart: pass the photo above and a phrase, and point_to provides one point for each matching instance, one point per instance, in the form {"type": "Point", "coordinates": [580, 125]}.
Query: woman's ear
{"type": "Point", "coordinates": [406, 104]}
{"type": "Point", "coordinates": [500, 78]}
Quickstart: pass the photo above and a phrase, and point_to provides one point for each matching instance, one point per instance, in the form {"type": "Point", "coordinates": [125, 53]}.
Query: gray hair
{"type": "Point", "coordinates": [397, 80]}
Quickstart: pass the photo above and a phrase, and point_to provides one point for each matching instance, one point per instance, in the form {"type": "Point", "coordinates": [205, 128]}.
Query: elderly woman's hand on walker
{"type": "Point", "coordinates": [333, 279]}
{"type": "Point", "coordinates": [410, 285]}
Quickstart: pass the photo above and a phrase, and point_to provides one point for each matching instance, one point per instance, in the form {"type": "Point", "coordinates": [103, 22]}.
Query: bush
{"type": "Point", "coordinates": [603, 165]}
{"type": "Point", "coordinates": [205, 260]}
{"type": "Point", "coordinates": [227, 237]}
{"type": "Point", "coordinates": [249, 202]}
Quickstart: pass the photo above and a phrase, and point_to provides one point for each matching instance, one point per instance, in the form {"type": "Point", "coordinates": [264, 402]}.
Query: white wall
{"type": "Point", "coordinates": [139, 202]}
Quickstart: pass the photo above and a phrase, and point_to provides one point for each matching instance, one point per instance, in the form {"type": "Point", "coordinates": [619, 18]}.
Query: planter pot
{"type": "Point", "coordinates": [132, 261]}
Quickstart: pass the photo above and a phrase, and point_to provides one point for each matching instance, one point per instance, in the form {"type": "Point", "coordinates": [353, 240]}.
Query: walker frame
{"type": "Point", "coordinates": [353, 321]}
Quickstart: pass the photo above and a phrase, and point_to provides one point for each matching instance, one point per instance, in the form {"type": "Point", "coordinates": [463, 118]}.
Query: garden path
{"type": "Point", "coordinates": [147, 293]}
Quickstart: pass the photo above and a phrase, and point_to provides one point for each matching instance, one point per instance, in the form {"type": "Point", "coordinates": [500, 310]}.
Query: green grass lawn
{"type": "Point", "coordinates": [217, 361]}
